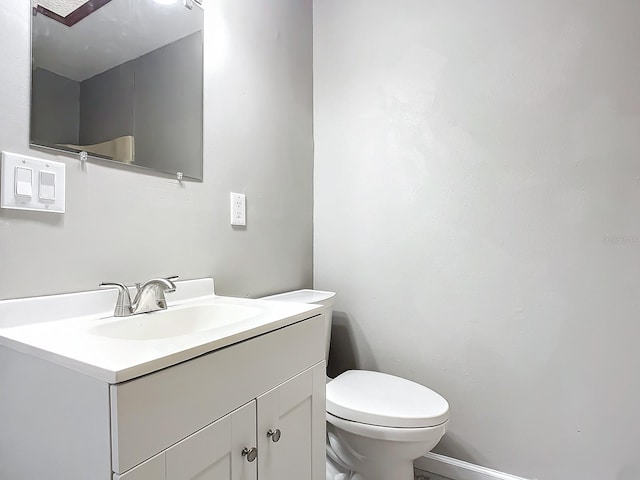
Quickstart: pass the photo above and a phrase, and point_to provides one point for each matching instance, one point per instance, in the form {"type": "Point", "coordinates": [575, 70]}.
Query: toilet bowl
{"type": "Point", "coordinates": [377, 424]}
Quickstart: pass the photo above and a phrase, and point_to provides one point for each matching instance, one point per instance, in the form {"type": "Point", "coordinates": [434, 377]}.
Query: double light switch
{"type": "Point", "coordinates": [32, 184]}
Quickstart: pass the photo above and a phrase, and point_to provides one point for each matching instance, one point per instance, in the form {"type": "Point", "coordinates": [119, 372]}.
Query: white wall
{"type": "Point", "coordinates": [129, 226]}
{"type": "Point", "coordinates": [477, 180]}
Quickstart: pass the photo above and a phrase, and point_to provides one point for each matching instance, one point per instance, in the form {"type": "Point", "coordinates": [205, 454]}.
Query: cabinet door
{"type": "Point", "coordinates": [215, 452]}
{"type": "Point", "coordinates": [291, 428]}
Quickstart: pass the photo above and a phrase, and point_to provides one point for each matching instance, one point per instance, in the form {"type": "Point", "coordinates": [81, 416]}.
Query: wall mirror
{"type": "Point", "coordinates": [121, 80]}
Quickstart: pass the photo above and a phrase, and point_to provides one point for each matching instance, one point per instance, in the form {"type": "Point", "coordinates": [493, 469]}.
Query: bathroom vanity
{"type": "Point", "coordinates": [88, 396]}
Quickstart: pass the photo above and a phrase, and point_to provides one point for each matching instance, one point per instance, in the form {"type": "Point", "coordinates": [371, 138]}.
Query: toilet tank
{"type": "Point", "coordinates": [316, 297]}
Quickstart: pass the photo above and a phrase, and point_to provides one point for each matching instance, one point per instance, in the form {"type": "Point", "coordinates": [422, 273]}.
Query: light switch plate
{"type": "Point", "coordinates": [51, 172]}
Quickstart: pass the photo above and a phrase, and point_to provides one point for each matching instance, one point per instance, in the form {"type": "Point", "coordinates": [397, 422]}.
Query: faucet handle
{"type": "Point", "coordinates": [123, 305]}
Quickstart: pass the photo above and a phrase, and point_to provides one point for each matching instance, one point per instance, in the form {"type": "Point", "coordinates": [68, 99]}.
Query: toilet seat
{"type": "Point", "coordinates": [383, 400]}
{"type": "Point", "coordinates": [389, 434]}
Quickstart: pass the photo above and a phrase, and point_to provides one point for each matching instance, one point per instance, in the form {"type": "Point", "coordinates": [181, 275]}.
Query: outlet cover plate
{"type": "Point", "coordinates": [238, 209]}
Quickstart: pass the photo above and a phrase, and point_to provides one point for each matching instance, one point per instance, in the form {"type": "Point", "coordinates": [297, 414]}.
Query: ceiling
{"type": "Point", "coordinates": [61, 7]}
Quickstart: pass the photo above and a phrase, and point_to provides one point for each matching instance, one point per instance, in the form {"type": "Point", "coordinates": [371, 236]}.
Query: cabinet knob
{"type": "Point", "coordinates": [250, 453]}
{"type": "Point", "coordinates": [274, 435]}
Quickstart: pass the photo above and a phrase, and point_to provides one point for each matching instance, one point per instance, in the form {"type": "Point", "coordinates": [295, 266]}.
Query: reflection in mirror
{"type": "Point", "coordinates": [121, 80]}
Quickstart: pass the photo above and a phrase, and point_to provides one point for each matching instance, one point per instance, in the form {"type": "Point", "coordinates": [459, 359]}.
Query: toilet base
{"type": "Point", "coordinates": [395, 472]}
{"type": "Point", "coordinates": [352, 456]}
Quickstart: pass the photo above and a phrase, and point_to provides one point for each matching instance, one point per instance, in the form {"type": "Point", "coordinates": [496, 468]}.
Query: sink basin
{"type": "Point", "coordinates": [174, 322]}
{"type": "Point", "coordinates": [76, 331]}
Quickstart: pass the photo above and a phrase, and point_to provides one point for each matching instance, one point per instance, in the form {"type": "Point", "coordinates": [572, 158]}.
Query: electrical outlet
{"type": "Point", "coordinates": [238, 209]}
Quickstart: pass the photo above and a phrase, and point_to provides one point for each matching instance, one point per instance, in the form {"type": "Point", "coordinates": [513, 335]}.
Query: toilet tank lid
{"type": "Point", "coordinates": [319, 297]}
{"type": "Point", "coordinates": [379, 399]}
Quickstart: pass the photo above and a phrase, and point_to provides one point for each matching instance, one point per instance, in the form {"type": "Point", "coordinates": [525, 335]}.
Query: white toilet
{"type": "Point", "coordinates": [377, 424]}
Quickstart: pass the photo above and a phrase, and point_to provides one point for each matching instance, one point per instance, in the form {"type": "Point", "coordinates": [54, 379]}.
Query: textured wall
{"type": "Point", "coordinates": [129, 226]}
{"type": "Point", "coordinates": [477, 184]}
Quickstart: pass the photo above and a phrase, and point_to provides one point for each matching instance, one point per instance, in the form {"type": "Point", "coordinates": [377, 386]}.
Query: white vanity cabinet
{"type": "Point", "coordinates": [191, 420]}
{"type": "Point", "coordinates": [223, 450]}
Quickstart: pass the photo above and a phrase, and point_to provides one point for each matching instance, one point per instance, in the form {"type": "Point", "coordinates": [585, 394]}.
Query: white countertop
{"type": "Point", "coordinates": [58, 329]}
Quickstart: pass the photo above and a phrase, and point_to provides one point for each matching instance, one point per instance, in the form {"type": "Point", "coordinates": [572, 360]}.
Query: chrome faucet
{"type": "Point", "coordinates": [149, 297]}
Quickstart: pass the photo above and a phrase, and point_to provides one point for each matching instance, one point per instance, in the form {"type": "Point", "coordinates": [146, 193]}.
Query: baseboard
{"type": "Point", "coordinates": [459, 470]}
